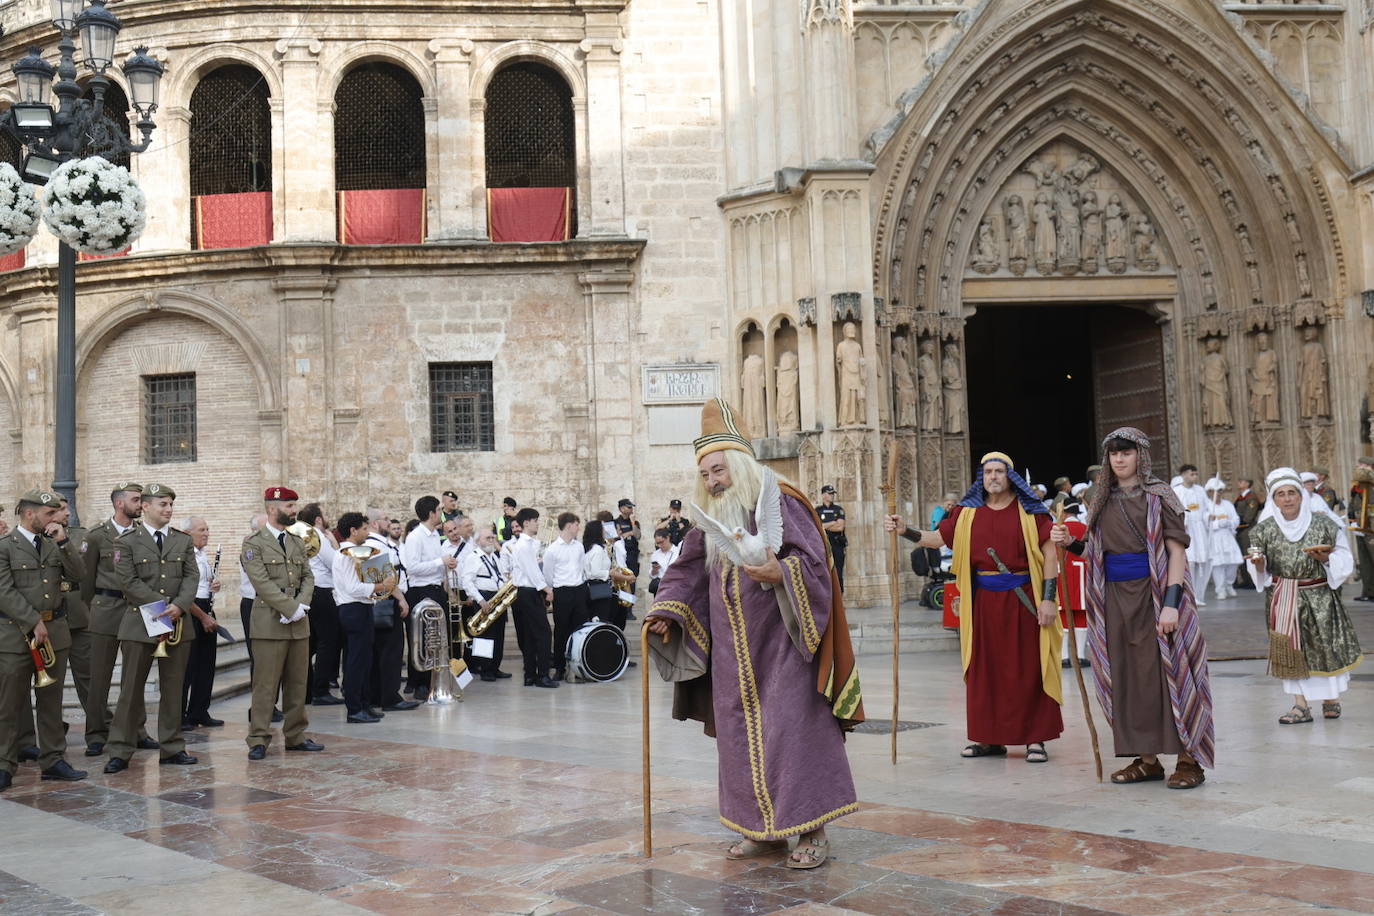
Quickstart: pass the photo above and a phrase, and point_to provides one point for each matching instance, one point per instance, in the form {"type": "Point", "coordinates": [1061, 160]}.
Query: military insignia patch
{"type": "Point", "coordinates": [115, 555]}
{"type": "Point", "coordinates": [248, 554]}
{"type": "Point", "coordinates": [83, 546]}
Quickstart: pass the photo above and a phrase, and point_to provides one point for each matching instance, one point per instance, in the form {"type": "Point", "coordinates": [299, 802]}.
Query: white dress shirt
{"type": "Point", "coordinates": [381, 542]}
{"type": "Point", "coordinates": [154, 532]}
{"type": "Point", "coordinates": [348, 588]}
{"type": "Point", "coordinates": [596, 564]}
{"type": "Point", "coordinates": [246, 589]}
{"type": "Point", "coordinates": [322, 563]}
{"type": "Point", "coordinates": [563, 562]}
{"type": "Point", "coordinates": [203, 564]}
{"type": "Point", "coordinates": [423, 555]}
{"type": "Point", "coordinates": [618, 555]}
{"type": "Point", "coordinates": [479, 572]}
{"type": "Point", "coordinates": [524, 564]}
{"type": "Point", "coordinates": [664, 558]}
{"type": "Point", "coordinates": [33, 538]}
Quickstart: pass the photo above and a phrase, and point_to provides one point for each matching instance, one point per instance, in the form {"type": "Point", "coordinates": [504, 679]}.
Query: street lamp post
{"type": "Point", "coordinates": [77, 128]}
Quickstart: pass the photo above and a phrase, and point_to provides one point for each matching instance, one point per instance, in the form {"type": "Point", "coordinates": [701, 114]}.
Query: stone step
{"type": "Point", "coordinates": [919, 628]}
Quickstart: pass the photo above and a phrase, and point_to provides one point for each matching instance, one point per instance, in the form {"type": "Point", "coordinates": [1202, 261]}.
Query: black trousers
{"type": "Point", "coordinates": [497, 634]}
{"type": "Point", "coordinates": [324, 641]}
{"type": "Point", "coordinates": [632, 560]}
{"type": "Point", "coordinates": [246, 615]}
{"type": "Point", "coordinates": [355, 622]}
{"type": "Point", "coordinates": [388, 647]}
{"type": "Point", "coordinates": [415, 678]}
{"type": "Point", "coordinates": [532, 631]}
{"type": "Point", "coordinates": [610, 610]}
{"type": "Point", "coordinates": [569, 613]}
{"type": "Point", "coordinates": [199, 682]}
{"type": "Point", "coordinates": [838, 554]}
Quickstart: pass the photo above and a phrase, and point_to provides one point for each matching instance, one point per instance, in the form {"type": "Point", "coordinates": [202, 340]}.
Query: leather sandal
{"type": "Point", "coordinates": [1036, 753]}
{"type": "Point", "coordinates": [984, 750]}
{"type": "Point", "coordinates": [749, 849]}
{"type": "Point", "coordinates": [1331, 709]}
{"type": "Point", "coordinates": [1296, 716]}
{"type": "Point", "coordinates": [1187, 775]}
{"type": "Point", "coordinates": [816, 851]}
{"type": "Point", "coordinates": [1139, 771]}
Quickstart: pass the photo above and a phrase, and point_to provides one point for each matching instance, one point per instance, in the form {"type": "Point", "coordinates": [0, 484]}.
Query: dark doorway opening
{"type": "Point", "coordinates": [1046, 383]}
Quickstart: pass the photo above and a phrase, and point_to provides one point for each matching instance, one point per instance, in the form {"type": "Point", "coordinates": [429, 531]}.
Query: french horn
{"type": "Point", "coordinates": [309, 535]}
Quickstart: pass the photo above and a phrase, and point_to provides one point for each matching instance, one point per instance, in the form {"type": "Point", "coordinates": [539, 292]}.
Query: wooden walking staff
{"type": "Point", "coordinates": [1073, 645]}
{"type": "Point", "coordinates": [894, 586]}
{"type": "Point", "coordinates": [644, 737]}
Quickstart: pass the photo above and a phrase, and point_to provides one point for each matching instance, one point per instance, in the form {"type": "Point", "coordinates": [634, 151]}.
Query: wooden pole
{"type": "Point", "coordinates": [644, 738]}
{"type": "Point", "coordinates": [895, 588]}
{"type": "Point", "coordinates": [1073, 647]}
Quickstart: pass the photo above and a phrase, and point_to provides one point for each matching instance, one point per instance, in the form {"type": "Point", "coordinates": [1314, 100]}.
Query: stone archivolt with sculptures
{"type": "Point", "coordinates": [1062, 214]}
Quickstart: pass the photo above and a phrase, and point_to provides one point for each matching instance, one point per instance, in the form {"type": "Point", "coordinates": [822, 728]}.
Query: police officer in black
{"type": "Point", "coordinates": [677, 524]}
{"type": "Point", "coordinates": [832, 520]}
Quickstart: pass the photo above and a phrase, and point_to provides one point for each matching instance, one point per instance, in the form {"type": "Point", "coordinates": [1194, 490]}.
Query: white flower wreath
{"type": "Point", "coordinates": [18, 211]}
{"type": "Point", "coordinates": [94, 206]}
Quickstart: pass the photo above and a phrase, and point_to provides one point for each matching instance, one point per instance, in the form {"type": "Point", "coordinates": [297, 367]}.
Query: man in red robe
{"type": "Point", "coordinates": [1009, 630]}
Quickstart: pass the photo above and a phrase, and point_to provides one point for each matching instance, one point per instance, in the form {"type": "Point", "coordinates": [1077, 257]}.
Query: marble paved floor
{"type": "Point", "coordinates": [527, 801]}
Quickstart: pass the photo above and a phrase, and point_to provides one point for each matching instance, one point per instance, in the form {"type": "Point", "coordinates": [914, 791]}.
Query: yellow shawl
{"type": "Point", "coordinates": [1051, 637]}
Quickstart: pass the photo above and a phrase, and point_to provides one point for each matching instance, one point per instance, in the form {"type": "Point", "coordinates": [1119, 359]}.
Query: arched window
{"type": "Point", "coordinates": [531, 158]}
{"type": "Point", "coordinates": [231, 159]}
{"type": "Point", "coordinates": [11, 151]}
{"type": "Point", "coordinates": [379, 156]}
{"type": "Point", "coordinates": [116, 110]}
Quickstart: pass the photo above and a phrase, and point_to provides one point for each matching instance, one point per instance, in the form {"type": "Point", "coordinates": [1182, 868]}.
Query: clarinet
{"type": "Point", "coordinates": [214, 574]}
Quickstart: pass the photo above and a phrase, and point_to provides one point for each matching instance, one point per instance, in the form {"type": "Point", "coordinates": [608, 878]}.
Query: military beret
{"type": "Point", "coordinates": [279, 494]}
{"type": "Point", "coordinates": [159, 489]}
{"type": "Point", "coordinates": [38, 497]}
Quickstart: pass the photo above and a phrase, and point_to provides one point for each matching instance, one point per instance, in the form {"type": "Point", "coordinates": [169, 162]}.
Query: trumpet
{"type": "Point", "coordinates": [310, 535]}
{"type": "Point", "coordinates": [500, 602]}
{"type": "Point", "coordinates": [43, 658]}
{"type": "Point", "coordinates": [170, 639]}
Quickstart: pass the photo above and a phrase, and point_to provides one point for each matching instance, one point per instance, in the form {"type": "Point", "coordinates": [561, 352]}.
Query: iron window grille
{"type": "Point", "coordinates": [530, 130]}
{"type": "Point", "coordinates": [379, 130]}
{"type": "Point", "coordinates": [460, 408]}
{"type": "Point", "coordinates": [169, 416]}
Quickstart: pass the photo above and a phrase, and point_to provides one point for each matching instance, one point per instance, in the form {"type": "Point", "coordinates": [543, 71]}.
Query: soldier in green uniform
{"type": "Point", "coordinates": [275, 562]}
{"type": "Point", "coordinates": [103, 593]}
{"type": "Point", "coordinates": [34, 558]}
{"type": "Point", "coordinates": [154, 562]}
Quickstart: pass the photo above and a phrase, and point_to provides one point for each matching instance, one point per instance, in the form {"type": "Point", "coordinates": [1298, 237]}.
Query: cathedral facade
{"type": "Point", "coordinates": [854, 219]}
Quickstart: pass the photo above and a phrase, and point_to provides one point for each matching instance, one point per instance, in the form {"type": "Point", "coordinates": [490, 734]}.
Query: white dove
{"type": "Point", "coordinates": [738, 545]}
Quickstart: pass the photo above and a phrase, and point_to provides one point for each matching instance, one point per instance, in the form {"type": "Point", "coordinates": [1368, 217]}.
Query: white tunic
{"type": "Point", "coordinates": [1195, 521]}
{"type": "Point", "coordinates": [1223, 521]}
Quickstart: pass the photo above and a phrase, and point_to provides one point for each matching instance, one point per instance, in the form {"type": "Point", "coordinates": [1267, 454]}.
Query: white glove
{"type": "Point", "coordinates": [300, 612]}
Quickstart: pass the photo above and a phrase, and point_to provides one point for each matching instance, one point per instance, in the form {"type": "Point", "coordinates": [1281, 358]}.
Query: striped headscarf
{"type": "Point", "coordinates": [1183, 654]}
{"type": "Point", "coordinates": [977, 495]}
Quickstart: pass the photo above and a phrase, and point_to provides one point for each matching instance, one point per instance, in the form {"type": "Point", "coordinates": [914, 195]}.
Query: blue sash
{"type": "Point", "coordinates": [1127, 567]}
{"type": "Point", "coordinates": [1000, 582]}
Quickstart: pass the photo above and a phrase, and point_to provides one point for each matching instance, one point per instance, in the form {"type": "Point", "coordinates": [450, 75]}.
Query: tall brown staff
{"type": "Point", "coordinates": [894, 586]}
{"type": "Point", "coordinates": [1073, 644]}
{"type": "Point", "coordinates": [644, 736]}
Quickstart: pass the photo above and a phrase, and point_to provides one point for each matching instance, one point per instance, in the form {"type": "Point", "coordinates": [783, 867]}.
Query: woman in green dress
{"type": "Point", "coordinates": [1301, 559]}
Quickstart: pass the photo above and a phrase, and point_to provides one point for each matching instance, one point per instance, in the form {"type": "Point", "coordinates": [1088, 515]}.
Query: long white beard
{"type": "Point", "coordinates": [732, 509]}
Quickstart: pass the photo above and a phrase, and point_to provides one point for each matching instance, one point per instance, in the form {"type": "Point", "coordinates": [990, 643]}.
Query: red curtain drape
{"type": "Point", "coordinates": [12, 261]}
{"type": "Point", "coordinates": [529, 214]}
{"type": "Point", "coordinates": [82, 256]}
{"type": "Point", "coordinates": [233, 220]}
{"type": "Point", "coordinates": [390, 217]}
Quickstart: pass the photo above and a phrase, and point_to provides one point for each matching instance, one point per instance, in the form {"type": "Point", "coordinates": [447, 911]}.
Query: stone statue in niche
{"type": "Point", "coordinates": [1216, 387]}
{"type": "Point", "coordinates": [952, 377]}
{"type": "Point", "coordinates": [1044, 171]}
{"type": "Point", "coordinates": [849, 360]}
{"type": "Point", "coordinates": [1046, 243]}
{"type": "Point", "coordinates": [1313, 385]}
{"type": "Point", "coordinates": [903, 388]}
{"type": "Point", "coordinates": [1083, 168]}
{"type": "Point", "coordinates": [986, 258]}
{"type": "Point", "coordinates": [928, 376]}
{"type": "Point", "coordinates": [1264, 382]}
{"type": "Point", "coordinates": [789, 409]}
{"type": "Point", "coordinates": [1092, 232]}
{"type": "Point", "coordinates": [1114, 219]}
{"type": "Point", "coordinates": [1069, 252]}
{"type": "Point", "coordinates": [1018, 234]}
{"type": "Point", "coordinates": [754, 386]}
{"type": "Point", "coordinates": [1146, 244]}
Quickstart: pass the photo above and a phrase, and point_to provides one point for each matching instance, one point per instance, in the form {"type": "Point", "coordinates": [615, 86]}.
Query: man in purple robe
{"type": "Point", "coordinates": [761, 655]}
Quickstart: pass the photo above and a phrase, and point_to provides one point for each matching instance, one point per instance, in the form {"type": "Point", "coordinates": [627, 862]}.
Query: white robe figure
{"type": "Point", "coordinates": [1194, 500]}
{"type": "Point", "coordinates": [1224, 553]}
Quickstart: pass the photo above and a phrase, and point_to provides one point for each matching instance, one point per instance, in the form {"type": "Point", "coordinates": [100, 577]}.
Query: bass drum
{"type": "Point", "coordinates": [597, 652]}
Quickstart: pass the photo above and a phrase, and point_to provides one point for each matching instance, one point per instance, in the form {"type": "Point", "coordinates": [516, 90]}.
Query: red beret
{"type": "Point", "coordinates": [279, 494]}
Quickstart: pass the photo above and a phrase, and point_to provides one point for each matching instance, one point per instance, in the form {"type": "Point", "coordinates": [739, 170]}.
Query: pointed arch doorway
{"type": "Point", "coordinates": [1046, 382]}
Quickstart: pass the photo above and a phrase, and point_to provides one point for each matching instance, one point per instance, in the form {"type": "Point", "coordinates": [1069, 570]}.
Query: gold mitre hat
{"type": "Point", "coordinates": [721, 430]}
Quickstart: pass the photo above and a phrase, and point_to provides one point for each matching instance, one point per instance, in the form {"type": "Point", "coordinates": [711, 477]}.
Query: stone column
{"type": "Point", "coordinates": [305, 292]}
{"type": "Point", "coordinates": [450, 149]}
{"type": "Point", "coordinates": [831, 105]}
{"type": "Point", "coordinates": [37, 317]}
{"type": "Point", "coordinates": [164, 173]}
{"type": "Point", "coordinates": [606, 190]}
{"type": "Point", "coordinates": [613, 368]}
{"type": "Point", "coordinates": [307, 169]}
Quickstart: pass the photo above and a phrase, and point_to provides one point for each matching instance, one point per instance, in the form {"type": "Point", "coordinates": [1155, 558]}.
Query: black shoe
{"type": "Point", "coordinates": [402, 706]}
{"type": "Point", "coordinates": [1362, 598]}
{"type": "Point", "coordinates": [560, 675]}
{"type": "Point", "coordinates": [257, 752]}
{"type": "Point", "coordinates": [96, 749]}
{"type": "Point", "coordinates": [179, 759]}
{"type": "Point", "coordinates": [27, 754]}
{"type": "Point", "coordinates": [147, 744]}
{"type": "Point", "coordinates": [634, 664]}
{"type": "Point", "coordinates": [306, 745]}
{"type": "Point", "coordinates": [364, 718]}
{"type": "Point", "coordinates": [205, 720]}
{"type": "Point", "coordinates": [544, 682]}
{"type": "Point", "coordinates": [1084, 663]}
{"type": "Point", "coordinates": [187, 725]}
{"type": "Point", "coordinates": [1066, 663]}
{"type": "Point", "coordinates": [6, 780]}
{"type": "Point", "coordinates": [116, 765]}
{"type": "Point", "coordinates": [64, 771]}
{"type": "Point", "coordinates": [375, 713]}
{"type": "Point", "coordinates": [502, 675]}
{"type": "Point", "coordinates": [276, 714]}
{"type": "Point", "coordinates": [326, 699]}
{"type": "Point", "coordinates": [488, 676]}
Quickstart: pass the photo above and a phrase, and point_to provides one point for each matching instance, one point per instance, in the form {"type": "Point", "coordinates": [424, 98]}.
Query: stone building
{"type": "Point", "coordinates": [946, 225]}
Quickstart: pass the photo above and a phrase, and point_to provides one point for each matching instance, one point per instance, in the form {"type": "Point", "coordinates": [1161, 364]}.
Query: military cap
{"type": "Point", "coordinates": [128, 487]}
{"type": "Point", "coordinates": [40, 497]}
{"type": "Point", "coordinates": [158, 490]}
{"type": "Point", "coordinates": [1323, 471]}
{"type": "Point", "coordinates": [1060, 481]}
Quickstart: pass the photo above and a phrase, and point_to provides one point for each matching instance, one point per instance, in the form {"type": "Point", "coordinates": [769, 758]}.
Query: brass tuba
{"type": "Point", "coordinates": [430, 650]}
{"type": "Point", "coordinates": [500, 602]}
{"type": "Point", "coordinates": [310, 535]}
